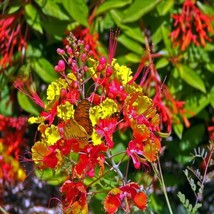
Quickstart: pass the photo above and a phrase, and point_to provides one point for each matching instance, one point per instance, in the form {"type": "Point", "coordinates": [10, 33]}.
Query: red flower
{"type": "Point", "coordinates": [142, 151]}
{"type": "Point", "coordinates": [89, 158]}
{"type": "Point", "coordinates": [50, 160]}
{"type": "Point", "coordinates": [140, 200]}
{"type": "Point", "coordinates": [134, 150]}
{"type": "Point", "coordinates": [169, 109]}
{"type": "Point", "coordinates": [45, 156]}
{"type": "Point", "coordinates": [11, 38]}
{"type": "Point", "coordinates": [13, 130]}
{"type": "Point", "coordinates": [191, 26]}
{"type": "Point", "coordinates": [115, 90]}
{"type": "Point", "coordinates": [74, 197]}
{"type": "Point", "coordinates": [49, 116]}
{"type": "Point", "coordinates": [106, 128]}
{"type": "Point", "coordinates": [11, 141]}
{"type": "Point", "coordinates": [90, 39]}
{"type": "Point", "coordinates": [130, 193]}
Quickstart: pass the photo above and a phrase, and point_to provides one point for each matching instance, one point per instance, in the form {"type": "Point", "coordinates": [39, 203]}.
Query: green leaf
{"type": "Point", "coordinates": [133, 31]}
{"type": "Point", "coordinates": [78, 10]}
{"type": "Point", "coordinates": [50, 176]}
{"type": "Point", "coordinates": [117, 15]}
{"type": "Point", "coordinates": [196, 207]}
{"type": "Point", "coordinates": [52, 8]}
{"type": "Point", "coordinates": [178, 129]}
{"type": "Point", "coordinates": [26, 104]}
{"type": "Point", "coordinates": [32, 17]}
{"type": "Point", "coordinates": [44, 69]}
{"type": "Point", "coordinates": [194, 103]}
{"type": "Point", "coordinates": [107, 22]}
{"type": "Point", "coordinates": [110, 4]}
{"type": "Point", "coordinates": [165, 6]}
{"type": "Point", "coordinates": [13, 9]}
{"type": "Point", "coordinates": [210, 67]}
{"type": "Point", "coordinates": [182, 197]}
{"type": "Point", "coordinates": [130, 44]}
{"type": "Point", "coordinates": [191, 77]}
{"type": "Point", "coordinates": [5, 104]}
{"type": "Point", "coordinates": [33, 51]}
{"type": "Point", "coordinates": [139, 8]}
{"type": "Point", "coordinates": [134, 58]}
{"type": "Point", "coordinates": [161, 63]}
{"type": "Point", "coordinates": [206, 8]}
{"type": "Point", "coordinates": [50, 26]}
{"type": "Point", "coordinates": [187, 203]}
{"type": "Point", "coordinates": [191, 138]}
{"type": "Point", "coordinates": [165, 32]}
{"type": "Point", "coordinates": [211, 96]}
{"type": "Point", "coordinates": [157, 35]}
{"type": "Point", "coordinates": [190, 208]}
{"type": "Point", "coordinates": [118, 148]}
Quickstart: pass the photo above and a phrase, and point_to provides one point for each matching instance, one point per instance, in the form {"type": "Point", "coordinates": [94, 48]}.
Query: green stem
{"type": "Point", "coordinates": [159, 174]}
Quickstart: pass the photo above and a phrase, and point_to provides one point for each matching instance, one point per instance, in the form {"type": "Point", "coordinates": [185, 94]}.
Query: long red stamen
{"type": "Point", "coordinates": [29, 90]}
{"type": "Point", "coordinates": [112, 44]}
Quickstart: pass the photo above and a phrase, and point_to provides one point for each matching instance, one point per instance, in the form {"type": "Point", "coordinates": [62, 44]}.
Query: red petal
{"type": "Point", "coordinates": [141, 200]}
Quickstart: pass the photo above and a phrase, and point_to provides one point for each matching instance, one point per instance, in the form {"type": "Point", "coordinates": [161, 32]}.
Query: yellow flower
{"type": "Point", "coordinates": [96, 139]}
{"type": "Point", "coordinates": [151, 149]}
{"type": "Point", "coordinates": [143, 105]}
{"type": "Point", "coordinates": [55, 87]}
{"type": "Point", "coordinates": [71, 76]}
{"type": "Point", "coordinates": [52, 135]}
{"type": "Point", "coordinates": [32, 120]}
{"type": "Point", "coordinates": [92, 69]}
{"type": "Point", "coordinates": [65, 111]}
{"type": "Point", "coordinates": [140, 130]}
{"type": "Point", "coordinates": [121, 72]}
{"type": "Point", "coordinates": [39, 150]}
{"type": "Point", "coordinates": [133, 88]}
{"type": "Point", "coordinates": [103, 110]}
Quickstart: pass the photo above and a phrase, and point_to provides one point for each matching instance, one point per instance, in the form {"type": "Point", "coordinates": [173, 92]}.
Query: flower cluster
{"type": "Point", "coordinates": [11, 38]}
{"type": "Point", "coordinates": [90, 102]}
{"type": "Point", "coordinates": [11, 140]}
{"type": "Point", "coordinates": [191, 25]}
{"type": "Point", "coordinates": [171, 111]}
{"type": "Point", "coordinates": [89, 38]}
{"type": "Point", "coordinates": [129, 192]}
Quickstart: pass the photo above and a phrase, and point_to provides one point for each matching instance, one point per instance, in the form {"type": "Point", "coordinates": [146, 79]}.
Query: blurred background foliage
{"type": "Point", "coordinates": [32, 30]}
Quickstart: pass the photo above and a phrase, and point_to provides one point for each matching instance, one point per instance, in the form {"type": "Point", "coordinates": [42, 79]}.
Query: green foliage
{"type": "Point", "coordinates": [197, 183]}
{"type": "Point", "coordinates": [27, 104]}
{"type": "Point", "coordinates": [33, 18]}
{"type": "Point", "coordinates": [75, 8]}
{"type": "Point", "coordinates": [191, 77]}
{"type": "Point", "coordinates": [50, 177]}
{"type": "Point", "coordinates": [190, 209]}
{"type": "Point", "coordinates": [44, 69]}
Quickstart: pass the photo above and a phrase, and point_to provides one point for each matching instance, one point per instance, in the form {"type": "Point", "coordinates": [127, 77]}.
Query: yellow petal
{"type": "Point", "coordinates": [102, 111]}
{"type": "Point", "coordinates": [65, 111]}
{"type": "Point", "coordinates": [39, 150]}
{"type": "Point", "coordinates": [121, 72]}
{"type": "Point", "coordinates": [32, 120]}
{"type": "Point", "coordinates": [52, 135]}
{"type": "Point", "coordinates": [96, 139]}
{"type": "Point", "coordinates": [55, 87]}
